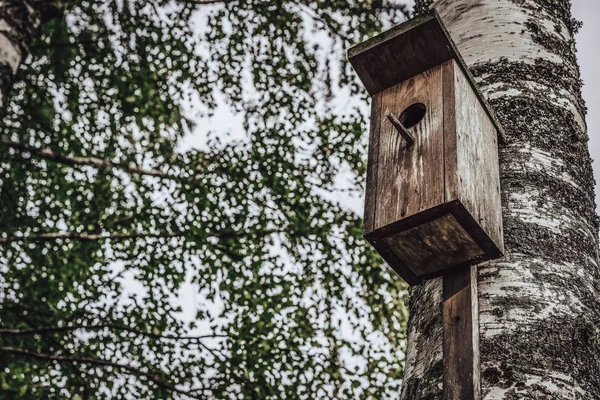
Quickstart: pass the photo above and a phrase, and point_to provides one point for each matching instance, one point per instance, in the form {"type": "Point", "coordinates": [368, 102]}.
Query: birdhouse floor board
{"type": "Point", "coordinates": [435, 245]}
{"type": "Point", "coordinates": [419, 245]}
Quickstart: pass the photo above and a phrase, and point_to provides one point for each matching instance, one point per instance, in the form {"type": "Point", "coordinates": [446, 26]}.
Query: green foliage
{"type": "Point", "coordinates": [289, 301]}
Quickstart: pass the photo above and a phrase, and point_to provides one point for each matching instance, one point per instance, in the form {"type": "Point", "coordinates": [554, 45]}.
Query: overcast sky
{"type": "Point", "coordinates": [588, 44]}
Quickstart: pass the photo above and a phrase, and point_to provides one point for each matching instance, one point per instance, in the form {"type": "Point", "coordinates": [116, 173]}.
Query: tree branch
{"type": "Point", "coordinates": [93, 361]}
{"type": "Point", "coordinates": [206, 2]}
{"type": "Point", "coordinates": [239, 378]}
{"type": "Point", "coordinates": [56, 329]}
{"type": "Point", "coordinates": [91, 161]}
{"type": "Point", "coordinates": [53, 342]}
{"type": "Point", "coordinates": [44, 237]}
{"type": "Point", "coordinates": [316, 17]}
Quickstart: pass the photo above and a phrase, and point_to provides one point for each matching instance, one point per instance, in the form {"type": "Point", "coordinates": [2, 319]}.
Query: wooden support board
{"type": "Point", "coordinates": [461, 335]}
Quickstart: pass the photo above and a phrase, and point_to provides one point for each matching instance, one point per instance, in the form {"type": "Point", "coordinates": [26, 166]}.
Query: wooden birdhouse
{"type": "Point", "coordinates": [433, 188]}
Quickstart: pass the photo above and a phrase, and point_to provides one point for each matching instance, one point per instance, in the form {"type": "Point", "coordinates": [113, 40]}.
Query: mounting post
{"type": "Point", "coordinates": [461, 335]}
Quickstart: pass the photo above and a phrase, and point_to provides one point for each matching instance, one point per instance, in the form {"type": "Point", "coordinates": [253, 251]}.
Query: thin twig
{"type": "Point", "coordinates": [91, 161]}
{"type": "Point", "coordinates": [51, 236]}
{"type": "Point", "coordinates": [56, 329]}
{"type": "Point", "coordinates": [44, 237]}
{"type": "Point", "coordinates": [316, 17]}
{"type": "Point", "coordinates": [93, 361]}
{"type": "Point", "coordinates": [207, 2]}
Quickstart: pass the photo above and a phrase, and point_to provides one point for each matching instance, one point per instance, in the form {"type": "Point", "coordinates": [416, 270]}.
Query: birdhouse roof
{"type": "Point", "coordinates": [407, 50]}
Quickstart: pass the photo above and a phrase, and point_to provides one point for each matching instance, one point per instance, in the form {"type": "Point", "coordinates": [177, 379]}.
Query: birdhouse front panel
{"type": "Point", "coordinates": [410, 177]}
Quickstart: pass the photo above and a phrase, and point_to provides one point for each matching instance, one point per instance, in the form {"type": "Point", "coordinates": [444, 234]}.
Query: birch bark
{"type": "Point", "coordinates": [539, 307]}
{"type": "Point", "coordinates": [20, 21]}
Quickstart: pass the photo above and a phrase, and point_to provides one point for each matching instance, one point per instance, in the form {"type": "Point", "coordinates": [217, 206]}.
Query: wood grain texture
{"type": "Point", "coordinates": [410, 179]}
{"type": "Point", "coordinates": [431, 247]}
{"type": "Point", "coordinates": [400, 53]}
{"type": "Point", "coordinates": [392, 259]}
{"type": "Point", "coordinates": [450, 161]}
{"type": "Point", "coordinates": [461, 376]}
{"type": "Point", "coordinates": [475, 332]}
{"type": "Point", "coordinates": [478, 186]}
{"type": "Point", "coordinates": [372, 165]}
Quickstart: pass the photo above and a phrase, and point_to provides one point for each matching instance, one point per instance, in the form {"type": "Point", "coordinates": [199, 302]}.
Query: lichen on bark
{"type": "Point", "coordinates": [538, 305]}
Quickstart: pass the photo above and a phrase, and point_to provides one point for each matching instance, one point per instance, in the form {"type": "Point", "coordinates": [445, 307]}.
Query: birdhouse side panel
{"type": "Point", "coordinates": [410, 178]}
{"type": "Point", "coordinates": [477, 166]}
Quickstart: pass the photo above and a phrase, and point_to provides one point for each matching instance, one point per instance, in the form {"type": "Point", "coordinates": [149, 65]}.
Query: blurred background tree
{"type": "Point", "coordinates": [144, 253]}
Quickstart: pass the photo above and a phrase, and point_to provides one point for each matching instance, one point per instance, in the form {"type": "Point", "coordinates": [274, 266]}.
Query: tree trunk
{"type": "Point", "coordinates": [20, 21]}
{"type": "Point", "coordinates": [539, 306]}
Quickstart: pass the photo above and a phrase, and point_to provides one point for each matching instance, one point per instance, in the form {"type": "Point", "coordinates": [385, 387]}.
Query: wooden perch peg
{"type": "Point", "coordinates": [400, 128]}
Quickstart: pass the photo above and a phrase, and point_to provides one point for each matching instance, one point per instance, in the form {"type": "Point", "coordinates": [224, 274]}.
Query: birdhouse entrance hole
{"type": "Point", "coordinates": [412, 115]}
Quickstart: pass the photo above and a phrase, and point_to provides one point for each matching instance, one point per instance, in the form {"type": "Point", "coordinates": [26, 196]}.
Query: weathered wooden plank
{"type": "Point", "coordinates": [475, 230]}
{"type": "Point", "coordinates": [450, 161]}
{"type": "Point", "coordinates": [410, 179]}
{"type": "Point", "coordinates": [475, 332]}
{"type": "Point", "coordinates": [372, 165]}
{"type": "Point", "coordinates": [392, 259]}
{"type": "Point", "coordinates": [431, 247]}
{"type": "Point", "coordinates": [461, 337]}
{"type": "Point", "coordinates": [477, 160]}
{"type": "Point", "coordinates": [400, 53]}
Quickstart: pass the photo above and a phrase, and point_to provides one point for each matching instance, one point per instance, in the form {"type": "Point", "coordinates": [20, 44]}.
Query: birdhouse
{"type": "Point", "coordinates": [433, 188]}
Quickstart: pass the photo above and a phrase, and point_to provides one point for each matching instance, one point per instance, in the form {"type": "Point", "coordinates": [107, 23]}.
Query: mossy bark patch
{"type": "Point", "coordinates": [538, 306]}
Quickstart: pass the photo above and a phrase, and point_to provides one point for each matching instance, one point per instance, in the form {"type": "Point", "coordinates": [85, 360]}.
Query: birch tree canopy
{"type": "Point", "coordinates": [104, 218]}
